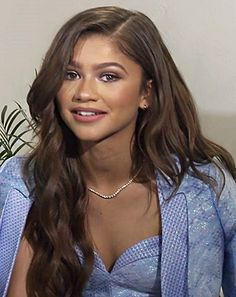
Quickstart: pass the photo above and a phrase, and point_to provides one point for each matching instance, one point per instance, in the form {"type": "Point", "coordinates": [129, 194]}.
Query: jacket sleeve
{"type": "Point", "coordinates": [5, 182]}
{"type": "Point", "coordinates": [11, 178]}
{"type": "Point", "coordinates": [14, 207]}
{"type": "Point", "coordinates": [227, 213]}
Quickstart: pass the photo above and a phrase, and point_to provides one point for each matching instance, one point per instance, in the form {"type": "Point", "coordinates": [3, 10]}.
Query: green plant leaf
{"type": "Point", "coordinates": [31, 125]}
{"type": "Point", "coordinates": [18, 104]}
{"type": "Point", "coordinates": [15, 128]}
{"type": "Point", "coordinates": [23, 141]}
{"type": "Point", "coordinates": [4, 138]}
{"type": "Point", "coordinates": [8, 153]}
{"type": "Point", "coordinates": [3, 154]}
{"type": "Point", "coordinates": [18, 137]}
{"type": "Point", "coordinates": [4, 146]}
{"type": "Point", "coordinates": [12, 120]}
{"type": "Point", "coordinates": [3, 114]}
{"type": "Point", "coordinates": [9, 117]}
{"type": "Point", "coordinates": [19, 148]}
{"type": "Point", "coordinates": [14, 125]}
{"type": "Point", "coordinates": [5, 157]}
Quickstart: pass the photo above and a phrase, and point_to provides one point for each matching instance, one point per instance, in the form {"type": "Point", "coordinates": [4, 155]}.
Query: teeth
{"type": "Point", "coordinates": [86, 113]}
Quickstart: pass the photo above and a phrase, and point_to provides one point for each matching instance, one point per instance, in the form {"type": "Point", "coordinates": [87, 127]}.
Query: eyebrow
{"type": "Point", "coordinates": [99, 66]}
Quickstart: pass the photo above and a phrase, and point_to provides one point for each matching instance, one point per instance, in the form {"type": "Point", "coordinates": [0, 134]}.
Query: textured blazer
{"type": "Point", "coordinates": [198, 231]}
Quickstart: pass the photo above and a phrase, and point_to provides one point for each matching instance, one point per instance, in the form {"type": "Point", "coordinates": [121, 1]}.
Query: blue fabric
{"type": "Point", "coordinates": [128, 276]}
{"type": "Point", "coordinates": [16, 210]}
{"type": "Point", "coordinates": [175, 238]}
{"type": "Point", "coordinates": [198, 245]}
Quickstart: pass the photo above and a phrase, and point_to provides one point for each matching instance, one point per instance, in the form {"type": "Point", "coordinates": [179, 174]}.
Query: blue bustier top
{"type": "Point", "coordinates": [135, 273]}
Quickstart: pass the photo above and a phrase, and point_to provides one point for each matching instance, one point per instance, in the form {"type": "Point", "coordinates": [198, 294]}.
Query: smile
{"type": "Point", "coordinates": [88, 113]}
{"type": "Point", "coordinates": [88, 116]}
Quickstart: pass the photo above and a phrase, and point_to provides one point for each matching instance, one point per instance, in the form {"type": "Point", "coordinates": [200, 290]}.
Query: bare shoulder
{"type": "Point", "coordinates": [17, 287]}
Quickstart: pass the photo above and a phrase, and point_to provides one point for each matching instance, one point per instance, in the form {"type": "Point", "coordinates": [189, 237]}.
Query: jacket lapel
{"type": "Point", "coordinates": [174, 256]}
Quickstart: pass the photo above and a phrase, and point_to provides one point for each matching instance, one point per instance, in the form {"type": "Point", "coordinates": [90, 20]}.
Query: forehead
{"type": "Point", "coordinates": [92, 43]}
{"type": "Point", "coordinates": [95, 49]}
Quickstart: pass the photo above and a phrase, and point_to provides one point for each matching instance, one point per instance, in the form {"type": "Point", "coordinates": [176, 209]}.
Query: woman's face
{"type": "Point", "coordinates": [101, 93]}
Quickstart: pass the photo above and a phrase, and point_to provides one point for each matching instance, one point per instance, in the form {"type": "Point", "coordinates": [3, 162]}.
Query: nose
{"type": "Point", "coordinates": [86, 90]}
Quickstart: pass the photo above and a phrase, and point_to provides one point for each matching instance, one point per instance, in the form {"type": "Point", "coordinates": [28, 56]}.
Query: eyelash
{"type": "Point", "coordinates": [110, 77]}
{"type": "Point", "coordinates": [71, 72]}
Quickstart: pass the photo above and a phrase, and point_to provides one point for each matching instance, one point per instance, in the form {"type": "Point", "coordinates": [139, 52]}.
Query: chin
{"type": "Point", "coordinates": [88, 142]}
{"type": "Point", "coordinates": [88, 139]}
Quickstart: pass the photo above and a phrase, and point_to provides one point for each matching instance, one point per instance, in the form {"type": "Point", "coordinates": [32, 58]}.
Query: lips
{"type": "Point", "coordinates": [87, 111]}
{"type": "Point", "coordinates": [88, 115]}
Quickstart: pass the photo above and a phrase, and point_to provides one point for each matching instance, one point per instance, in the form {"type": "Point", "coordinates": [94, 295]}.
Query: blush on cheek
{"type": "Point", "coordinates": [129, 98]}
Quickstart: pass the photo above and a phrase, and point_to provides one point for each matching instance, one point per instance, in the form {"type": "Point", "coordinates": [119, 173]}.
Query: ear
{"type": "Point", "coordinates": [145, 101]}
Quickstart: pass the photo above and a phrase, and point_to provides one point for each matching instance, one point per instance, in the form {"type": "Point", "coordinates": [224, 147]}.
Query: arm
{"type": "Point", "coordinates": [14, 206]}
{"type": "Point", "coordinates": [227, 214]}
{"type": "Point", "coordinates": [17, 287]}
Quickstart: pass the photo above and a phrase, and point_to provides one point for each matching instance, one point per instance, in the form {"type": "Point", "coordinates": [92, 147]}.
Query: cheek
{"type": "Point", "coordinates": [65, 93]}
{"type": "Point", "coordinates": [127, 97]}
{"type": "Point", "coordinates": [61, 103]}
{"type": "Point", "coordinates": [62, 100]}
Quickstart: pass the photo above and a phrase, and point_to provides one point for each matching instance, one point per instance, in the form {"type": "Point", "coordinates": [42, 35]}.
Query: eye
{"type": "Point", "coordinates": [109, 77]}
{"type": "Point", "coordinates": [71, 75]}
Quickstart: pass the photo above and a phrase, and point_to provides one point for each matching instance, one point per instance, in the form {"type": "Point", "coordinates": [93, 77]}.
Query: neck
{"type": "Point", "coordinates": [107, 164]}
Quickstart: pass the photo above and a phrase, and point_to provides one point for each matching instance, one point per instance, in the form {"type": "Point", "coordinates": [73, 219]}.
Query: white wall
{"type": "Point", "coordinates": [199, 34]}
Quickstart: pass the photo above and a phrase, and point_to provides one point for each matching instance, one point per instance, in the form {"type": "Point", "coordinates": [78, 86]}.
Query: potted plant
{"type": "Point", "coordinates": [15, 131]}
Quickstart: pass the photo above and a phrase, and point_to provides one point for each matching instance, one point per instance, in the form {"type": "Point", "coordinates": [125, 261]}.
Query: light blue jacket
{"type": "Point", "coordinates": [198, 232]}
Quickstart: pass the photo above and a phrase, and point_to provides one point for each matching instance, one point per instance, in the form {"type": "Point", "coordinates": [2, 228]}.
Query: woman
{"type": "Point", "coordinates": [122, 196]}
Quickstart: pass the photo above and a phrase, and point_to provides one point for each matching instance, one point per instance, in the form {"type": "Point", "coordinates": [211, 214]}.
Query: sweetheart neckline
{"type": "Point", "coordinates": [153, 251]}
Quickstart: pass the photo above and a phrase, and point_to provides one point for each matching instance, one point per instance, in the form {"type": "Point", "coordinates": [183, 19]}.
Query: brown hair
{"type": "Point", "coordinates": [168, 130]}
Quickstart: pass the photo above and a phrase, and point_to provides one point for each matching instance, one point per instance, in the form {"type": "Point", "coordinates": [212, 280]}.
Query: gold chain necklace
{"type": "Point", "coordinates": [116, 192]}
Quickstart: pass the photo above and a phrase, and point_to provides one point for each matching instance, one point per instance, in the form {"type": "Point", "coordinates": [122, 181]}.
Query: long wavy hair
{"type": "Point", "coordinates": [57, 219]}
